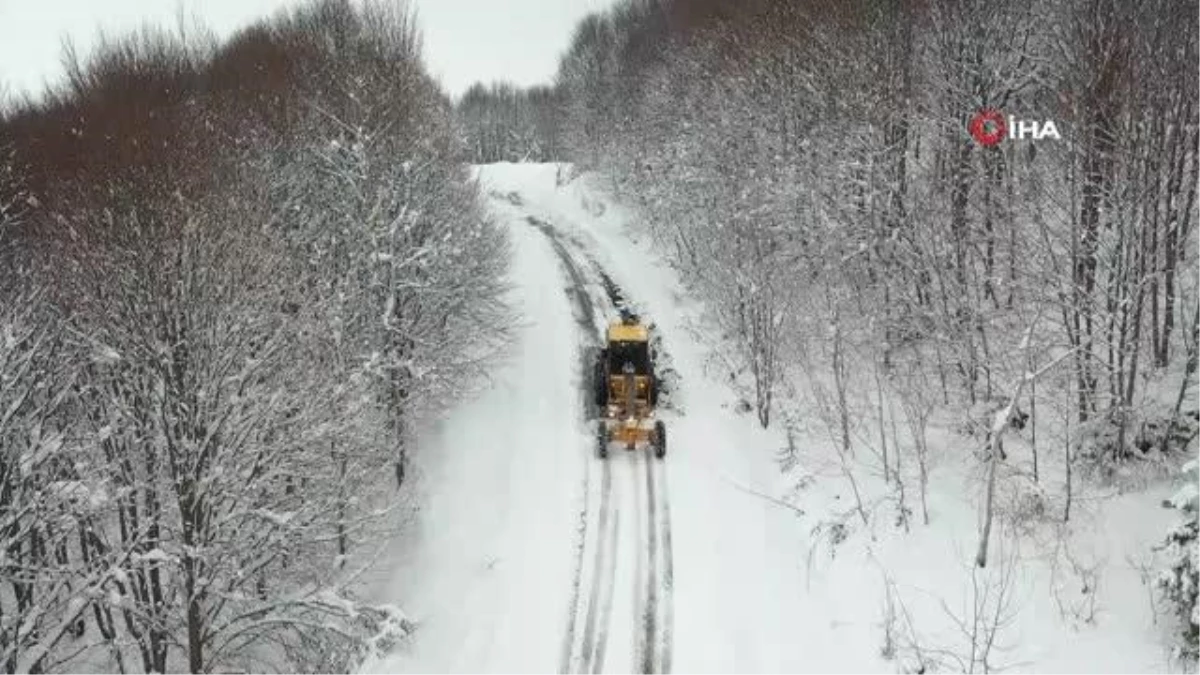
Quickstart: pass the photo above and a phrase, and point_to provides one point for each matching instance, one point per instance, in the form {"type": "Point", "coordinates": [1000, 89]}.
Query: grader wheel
{"type": "Point", "coordinates": [601, 441]}
{"type": "Point", "coordinates": [599, 381]}
{"type": "Point", "coordinates": [660, 439]}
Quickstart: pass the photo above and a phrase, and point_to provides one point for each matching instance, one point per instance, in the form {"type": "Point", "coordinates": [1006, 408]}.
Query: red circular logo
{"type": "Point", "coordinates": [987, 127]}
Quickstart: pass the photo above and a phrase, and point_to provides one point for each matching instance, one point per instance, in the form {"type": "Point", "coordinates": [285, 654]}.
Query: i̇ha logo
{"type": "Point", "coordinates": [989, 126]}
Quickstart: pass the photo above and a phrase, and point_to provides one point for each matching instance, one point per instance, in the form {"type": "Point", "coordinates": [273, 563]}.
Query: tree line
{"type": "Point", "coordinates": [233, 276]}
{"type": "Point", "coordinates": [503, 123]}
{"type": "Point", "coordinates": [808, 168]}
{"type": "Point", "coordinates": [838, 132]}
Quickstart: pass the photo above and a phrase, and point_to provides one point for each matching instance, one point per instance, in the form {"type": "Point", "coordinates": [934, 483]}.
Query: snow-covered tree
{"type": "Point", "coordinates": [42, 491]}
{"type": "Point", "coordinates": [236, 341]}
{"type": "Point", "coordinates": [503, 123]}
{"type": "Point", "coordinates": [1179, 581]}
{"type": "Point", "coordinates": [843, 129]}
{"type": "Point", "coordinates": [386, 217]}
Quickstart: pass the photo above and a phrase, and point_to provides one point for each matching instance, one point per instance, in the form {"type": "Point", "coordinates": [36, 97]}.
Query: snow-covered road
{"type": "Point", "coordinates": [535, 555]}
{"type": "Point", "coordinates": [625, 531]}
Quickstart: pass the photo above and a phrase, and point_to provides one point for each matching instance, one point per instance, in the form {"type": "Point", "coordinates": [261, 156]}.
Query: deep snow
{"type": "Point", "coordinates": [756, 587]}
{"type": "Point", "coordinates": [491, 557]}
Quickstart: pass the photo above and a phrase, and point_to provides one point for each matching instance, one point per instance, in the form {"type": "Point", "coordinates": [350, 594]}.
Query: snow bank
{"type": "Point", "coordinates": [487, 573]}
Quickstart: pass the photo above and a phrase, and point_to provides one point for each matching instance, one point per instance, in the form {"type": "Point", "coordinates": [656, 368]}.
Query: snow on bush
{"type": "Point", "coordinates": [1179, 581]}
{"type": "Point", "coordinates": [1026, 504]}
{"type": "Point", "coordinates": [1102, 446]}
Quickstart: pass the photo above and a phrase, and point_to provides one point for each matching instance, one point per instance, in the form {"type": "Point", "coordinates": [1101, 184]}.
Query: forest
{"type": "Point", "coordinates": [238, 277]}
{"type": "Point", "coordinates": [234, 274]}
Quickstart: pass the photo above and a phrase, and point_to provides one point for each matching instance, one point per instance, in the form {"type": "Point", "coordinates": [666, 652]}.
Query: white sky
{"type": "Point", "coordinates": [465, 40]}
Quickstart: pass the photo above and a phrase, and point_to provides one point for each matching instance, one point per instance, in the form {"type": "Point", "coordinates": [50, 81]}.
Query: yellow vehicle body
{"type": "Point", "coordinates": [628, 332]}
{"type": "Point", "coordinates": [630, 417]}
{"type": "Point", "coordinates": [627, 390]}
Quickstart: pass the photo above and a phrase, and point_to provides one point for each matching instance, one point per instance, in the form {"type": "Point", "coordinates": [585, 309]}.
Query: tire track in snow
{"type": "Point", "coordinates": [650, 610]}
{"type": "Point", "coordinates": [659, 613]}
{"type": "Point", "coordinates": [585, 317]}
{"type": "Point", "coordinates": [667, 636]}
{"type": "Point", "coordinates": [607, 582]}
{"type": "Point", "coordinates": [595, 627]}
{"type": "Point", "coordinates": [581, 533]}
{"type": "Point", "coordinates": [585, 312]}
{"type": "Point", "coordinates": [600, 574]}
{"type": "Point", "coordinates": [641, 648]}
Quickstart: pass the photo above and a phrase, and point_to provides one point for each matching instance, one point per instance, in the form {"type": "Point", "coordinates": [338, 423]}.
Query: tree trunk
{"type": "Point", "coordinates": [1193, 356]}
{"type": "Point", "coordinates": [839, 379]}
{"type": "Point", "coordinates": [882, 434]}
{"type": "Point", "coordinates": [191, 505]}
{"type": "Point", "coordinates": [1033, 427]}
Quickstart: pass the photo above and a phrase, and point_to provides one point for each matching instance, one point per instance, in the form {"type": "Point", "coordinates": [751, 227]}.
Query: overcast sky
{"type": "Point", "coordinates": [465, 40]}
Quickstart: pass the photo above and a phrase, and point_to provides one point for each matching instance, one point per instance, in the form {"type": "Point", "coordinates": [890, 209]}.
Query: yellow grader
{"type": "Point", "coordinates": [626, 389]}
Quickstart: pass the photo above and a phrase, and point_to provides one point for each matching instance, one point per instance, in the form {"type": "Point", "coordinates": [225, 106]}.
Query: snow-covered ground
{"type": "Point", "coordinates": [531, 554]}
{"type": "Point", "coordinates": [491, 553]}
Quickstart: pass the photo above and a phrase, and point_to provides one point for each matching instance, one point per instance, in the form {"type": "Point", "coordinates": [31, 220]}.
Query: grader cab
{"type": "Point", "coordinates": [626, 390]}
